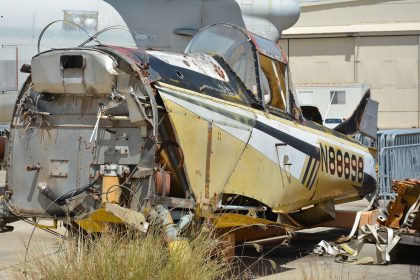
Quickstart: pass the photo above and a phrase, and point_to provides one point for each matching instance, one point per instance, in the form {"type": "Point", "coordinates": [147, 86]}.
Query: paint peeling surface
{"type": "Point", "coordinates": [201, 63]}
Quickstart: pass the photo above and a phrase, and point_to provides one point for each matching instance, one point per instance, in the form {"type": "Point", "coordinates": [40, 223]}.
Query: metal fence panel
{"type": "Point", "coordinates": [398, 157]}
{"type": "Point", "coordinates": [388, 138]}
{"type": "Point", "coordinates": [396, 163]}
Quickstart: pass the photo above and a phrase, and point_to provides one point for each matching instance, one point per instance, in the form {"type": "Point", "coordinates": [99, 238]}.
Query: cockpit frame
{"type": "Point", "coordinates": [225, 40]}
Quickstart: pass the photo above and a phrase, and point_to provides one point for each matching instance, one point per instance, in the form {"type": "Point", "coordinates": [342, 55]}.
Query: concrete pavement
{"type": "Point", "coordinates": [13, 245]}
{"type": "Point", "coordinates": [295, 261]}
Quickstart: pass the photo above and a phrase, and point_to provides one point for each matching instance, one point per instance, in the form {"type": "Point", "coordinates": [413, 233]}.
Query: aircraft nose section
{"type": "Point", "coordinates": [370, 179]}
{"type": "Point", "coordinates": [369, 185]}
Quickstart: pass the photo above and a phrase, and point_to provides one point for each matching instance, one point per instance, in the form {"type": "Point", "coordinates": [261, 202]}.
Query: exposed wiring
{"type": "Point", "coordinates": [66, 21]}
{"type": "Point", "coordinates": [44, 256]}
{"type": "Point", "coordinates": [94, 36]}
{"type": "Point", "coordinates": [29, 243]}
{"type": "Point", "coordinates": [166, 144]}
{"type": "Point", "coordinates": [114, 186]}
{"type": "Point", "coordinates": [44, 229]}
{"type": "Point", "coordinates": [94, 135]}
{"type": "Point", "coordinates": [67, 197]}
{"type": "Point", "coordinates": [36, 223]}
{"type": "Point", "coordinates": [131, 175]}
{"type": "Point", "coordinates": [78, 191]}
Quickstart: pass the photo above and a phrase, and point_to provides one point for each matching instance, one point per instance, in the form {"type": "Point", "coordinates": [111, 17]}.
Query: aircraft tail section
{"type": "Point", "coordinates": [363, 119]}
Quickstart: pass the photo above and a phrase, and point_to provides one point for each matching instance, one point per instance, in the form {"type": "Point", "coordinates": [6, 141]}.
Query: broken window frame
{"type": "Point", "coordinates": [254, 90]}
{"type": "Point", "coordinates": [275, 78]}
{"type": "Point", "coordinates": [259, 46]}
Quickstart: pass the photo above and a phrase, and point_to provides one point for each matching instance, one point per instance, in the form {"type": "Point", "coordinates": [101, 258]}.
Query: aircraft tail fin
{"type": "Point", "coordinates": [364, 119]}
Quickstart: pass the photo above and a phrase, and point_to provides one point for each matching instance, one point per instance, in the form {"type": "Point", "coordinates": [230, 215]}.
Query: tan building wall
{"type": "Point", "coordinates": [344, 12]}
{"type": "Point", "coordinates": [383, 53]}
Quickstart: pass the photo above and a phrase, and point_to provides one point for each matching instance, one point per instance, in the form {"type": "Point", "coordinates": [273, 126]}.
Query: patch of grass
{"type": "Point", "coordinates": [131, 256]}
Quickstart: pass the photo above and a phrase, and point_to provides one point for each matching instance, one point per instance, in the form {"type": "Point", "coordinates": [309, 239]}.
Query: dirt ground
{"type": "Point", "coordinates": [274, 261]}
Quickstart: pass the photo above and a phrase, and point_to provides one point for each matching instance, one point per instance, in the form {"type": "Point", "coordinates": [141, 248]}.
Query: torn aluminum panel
{"type": "Point", "coordinates": [74, 72]}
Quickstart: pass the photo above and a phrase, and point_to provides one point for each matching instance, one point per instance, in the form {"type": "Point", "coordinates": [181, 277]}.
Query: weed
{"type": "Point", "coordinates": [134, 256]}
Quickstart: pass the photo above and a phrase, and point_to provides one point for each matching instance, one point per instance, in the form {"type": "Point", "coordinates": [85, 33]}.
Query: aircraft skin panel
{"type": "Point", "coordinates": [239, 121]}
{"type": "Point", "coordinates": [207, 166]}
{"type": "Point", "coordinates": [192, 134]}
{"type": "Point", "coordinates": [259, 165]}
{"type": "Point", "coordinates": [246, 115]}
{"type": "Point", "coordinates": [222, 166]}
{"type": "Point", "coordinates": [243, 172]}
{"type": "Point", "coordinates": [257, 177]}
{"type": "Point", "coordinates": [315, 137]}
{"type": "Point", "coordinates": [310, 172]}
{"type": "Point", "coordinates": [287, 148]}
{"type": "Point", "coordinates": [306, 143]}
{"type": "Point", "coordinates": [343, 177]}
{"type": "Point", "coordinates": [238, 133]}
{"type": "Point", "coordinates": [266, 143]}
{"type": "Point", "coordinates": [320, 132]}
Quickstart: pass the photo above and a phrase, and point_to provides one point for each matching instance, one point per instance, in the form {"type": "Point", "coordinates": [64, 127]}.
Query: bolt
{"type": "Point", "coordinates": [33, 167]}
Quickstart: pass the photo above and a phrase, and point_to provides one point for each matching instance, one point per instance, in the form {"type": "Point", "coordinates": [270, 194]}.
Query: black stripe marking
{"type": "Point", "coordinates": [311, 184]}
{"type": "Point", "coordinates": [312, 173]}
{"type": "Point", "coordinates": [294, 142]}
{"type": "Point", "coordinates": [307, 170]}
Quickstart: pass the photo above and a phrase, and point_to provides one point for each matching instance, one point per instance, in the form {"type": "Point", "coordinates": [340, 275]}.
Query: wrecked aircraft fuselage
{"type": "Point", "coordinates": [215, 131]}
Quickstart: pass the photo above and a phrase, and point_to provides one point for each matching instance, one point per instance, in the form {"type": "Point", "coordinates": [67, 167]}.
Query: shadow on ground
{"type": "Point", "coordinates": [276, 258]}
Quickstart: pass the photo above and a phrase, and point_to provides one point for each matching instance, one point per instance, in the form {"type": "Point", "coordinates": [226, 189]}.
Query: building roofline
{"type": "Point", "coordinates": [323, 2]}
{"type": "Point", "coordinates": [334, 2]}
{"type": "Point", "coordinates": [389, 28]}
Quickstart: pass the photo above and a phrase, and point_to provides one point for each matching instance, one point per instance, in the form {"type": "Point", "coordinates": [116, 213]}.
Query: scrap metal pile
{"type": "Point", "coordinates": [377, 242]}
{"type": "Point", "coordinates": [403, 211]}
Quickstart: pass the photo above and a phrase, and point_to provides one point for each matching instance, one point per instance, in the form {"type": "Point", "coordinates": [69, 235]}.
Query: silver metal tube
{"type": "Point", "coordinates": [184, 221]}
{"type": "Point", "coordinates": [115, 118]}
{"type": "Point", "coordinates": [241, 208]}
